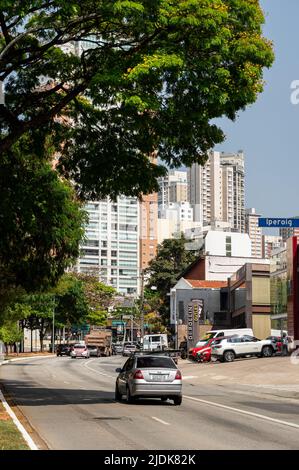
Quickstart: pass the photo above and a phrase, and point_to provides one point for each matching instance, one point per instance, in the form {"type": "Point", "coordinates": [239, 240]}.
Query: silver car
{"type": "Point", "coordinates": [149, 376]}
{"type": "Point", "coordinates": [128, 349]}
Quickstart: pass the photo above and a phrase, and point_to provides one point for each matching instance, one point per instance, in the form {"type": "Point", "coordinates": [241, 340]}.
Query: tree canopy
{"type": "Point", "coordinates": [41, 222]}
{"type": "Point", "coordinates": [171, 260]}
{"type": "Point", "coordinates": [151, 77]}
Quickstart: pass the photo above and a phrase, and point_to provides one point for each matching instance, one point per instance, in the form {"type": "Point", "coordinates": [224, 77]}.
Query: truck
{"type": "Point", "coordinates": [102, 338]}
{"type": "Point", "coordinates": [158, 344]}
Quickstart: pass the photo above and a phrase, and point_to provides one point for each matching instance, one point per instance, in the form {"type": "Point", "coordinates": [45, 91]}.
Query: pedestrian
{"type": "Point", "coordinates": [284, 345]}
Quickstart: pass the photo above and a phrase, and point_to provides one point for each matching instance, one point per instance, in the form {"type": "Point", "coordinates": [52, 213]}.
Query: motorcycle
{"type": "Point", "coordinates": [204, 355]}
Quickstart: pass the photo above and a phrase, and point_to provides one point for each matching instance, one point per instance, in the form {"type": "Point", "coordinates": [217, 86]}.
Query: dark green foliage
{"type": "Point", "coordinates": [153, 76]}
{"type": "Point", "coordinates": [171, 260]}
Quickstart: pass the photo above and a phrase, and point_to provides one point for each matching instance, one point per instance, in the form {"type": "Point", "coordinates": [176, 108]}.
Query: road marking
{"type": "Point", "coordinates": [94, 370]}
{"type": "Point", "coordinates": [66, 382]}
{"type": "Point", "coordinates": [187, 377]}
{"type": "Point", "coordinates": [160, 421]}
{"type": "Point", "coordinates": [248, 413]}
{"type": "Point", "coordinates": [26, 437]}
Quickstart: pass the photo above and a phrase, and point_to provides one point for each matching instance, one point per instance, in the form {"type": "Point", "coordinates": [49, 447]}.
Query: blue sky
{"type": "Point", "coordinates": [268, 131]}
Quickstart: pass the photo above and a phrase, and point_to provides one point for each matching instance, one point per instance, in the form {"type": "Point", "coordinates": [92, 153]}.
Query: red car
{"type": "Point", "coordinates": [193, 351]}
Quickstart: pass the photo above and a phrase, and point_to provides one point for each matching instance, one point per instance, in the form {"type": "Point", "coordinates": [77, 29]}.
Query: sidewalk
{"type": "Point", "coordinates": [276, 376]}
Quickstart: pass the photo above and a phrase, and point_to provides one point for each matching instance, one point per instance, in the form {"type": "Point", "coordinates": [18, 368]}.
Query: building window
{"type": "Point", "coordinates": [228, 246]}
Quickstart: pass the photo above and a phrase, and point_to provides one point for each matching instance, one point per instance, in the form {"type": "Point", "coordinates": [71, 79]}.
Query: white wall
{"type": "Point", "coordinates": [219, 268]}
{"type": "Point", "coordinates": [215, 243]}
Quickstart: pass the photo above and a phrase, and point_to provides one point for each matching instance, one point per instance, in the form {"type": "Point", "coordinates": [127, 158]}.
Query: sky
{"type": "Point", "coordinates": [268, 131]}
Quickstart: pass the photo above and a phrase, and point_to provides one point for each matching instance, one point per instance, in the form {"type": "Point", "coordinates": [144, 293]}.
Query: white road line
{"type": "Point", "coordinates": [160, 421]}
{"type": "Point", "coordinates": [20, 427]}
{"type": "Point", "coordinates": [248, 413]}
{"type": "Point", "coordinates": [97, 371]}
{"type": "Point", "coordinates": [187, 377]}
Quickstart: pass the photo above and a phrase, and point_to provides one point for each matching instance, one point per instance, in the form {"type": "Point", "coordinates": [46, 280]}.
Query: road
{"type": "Point", "coordinates": [71, 405]}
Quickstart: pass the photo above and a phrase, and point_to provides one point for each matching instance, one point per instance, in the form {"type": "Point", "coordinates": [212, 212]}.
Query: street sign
{"type": "Point", "coordinates": [278, 223]}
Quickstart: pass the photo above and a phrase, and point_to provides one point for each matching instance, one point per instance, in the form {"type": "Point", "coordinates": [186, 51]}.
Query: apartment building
{"type": "Point", "coordinates": [111, 246]}
{"type": "Point", "coordinates": [270, 243]}
{"type": "Point", "coordinates": [148, 238]}
{"type": "Point", "coordinates": [173, 188]}
{"type": "Point", "coordinates": [255, 232]}
{"type": "Point", "coordinates": [216, 190]}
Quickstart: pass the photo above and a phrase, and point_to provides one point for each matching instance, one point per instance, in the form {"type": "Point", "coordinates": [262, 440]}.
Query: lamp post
{"type": "Point", "coordinates": [53, 328]}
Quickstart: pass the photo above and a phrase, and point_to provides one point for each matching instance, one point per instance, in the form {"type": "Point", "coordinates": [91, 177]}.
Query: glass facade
{"type": "Point", "coordinates": [279, 288]}
{"type": "Point", "coordinates": [111, 244]}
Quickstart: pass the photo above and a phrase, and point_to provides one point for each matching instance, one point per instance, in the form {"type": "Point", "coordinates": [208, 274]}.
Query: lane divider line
{"type": "Point", "coordinates": [97, 371]}
{"type": "Point", "coordinates": [248, 413]}
{"type": "Point", "coordinates": [31, 444]}
{"type": "Point", "coordinates": [160, 421]}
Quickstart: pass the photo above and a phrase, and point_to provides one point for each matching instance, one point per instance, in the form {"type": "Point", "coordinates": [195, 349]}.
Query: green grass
{"type": "Point", "coordinates": [10, 436]}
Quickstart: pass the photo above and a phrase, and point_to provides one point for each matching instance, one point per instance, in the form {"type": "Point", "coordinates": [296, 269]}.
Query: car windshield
{"type": "Point", "coordinates": [91, 347]}
{"type": "Point", "coordinates": [207, 337]}
{"type": "Point", "coordinates": [155, 362]}
{"type": "Point", "coordinates": [79, 346]}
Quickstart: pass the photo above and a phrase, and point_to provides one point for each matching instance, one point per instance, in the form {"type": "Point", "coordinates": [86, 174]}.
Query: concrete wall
{"type": "Point", "coordinates": [215, 244]}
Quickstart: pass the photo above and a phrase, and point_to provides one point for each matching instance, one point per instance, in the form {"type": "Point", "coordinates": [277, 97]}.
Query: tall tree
{"type": "Point", "coordinates": [41, 221]}
{"type": "Point", "coordinates": [154, 73]}
{"type": "Point", "coordinates": [171, 260]}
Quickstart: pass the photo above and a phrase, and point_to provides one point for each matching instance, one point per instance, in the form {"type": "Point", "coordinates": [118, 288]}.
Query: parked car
{"type": "Point", "coordinates": [94, 350]}
{"type": "Point", "coordinates": [63, 349]}
{"type": "Point", "coordinates": [227, 349]}
{"type": "Point", "coordinates": [80, 350]}
{"type": "Point", "coordinates": [128, 349]}
{"type": "Point", "coordinates": [149, 376]}
{"type": "Point", "coordinates": [213, 334]}
{"type": "Point", "coordinates": [192, 353]}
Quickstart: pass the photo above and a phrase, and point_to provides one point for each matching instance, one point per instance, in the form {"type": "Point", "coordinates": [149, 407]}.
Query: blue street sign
{"type": "Point", "coordinates": [279, 223]}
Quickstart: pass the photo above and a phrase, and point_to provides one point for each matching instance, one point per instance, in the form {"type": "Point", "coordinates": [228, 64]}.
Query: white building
{"type": "Point", "coordinates": [174, 219]}
{"type": "Point", "coordinates": [111, 246]}
{"type": "Point", "coordinates": [271, 243]}
{"type": "Point", "coordinates": [216, 190]}
{"type": "Point", "coordinates": [254, 232]}
{"type": "Point", "coordinates": [229, 244]}
{"type": "Point", "coordinates": [220, 268]}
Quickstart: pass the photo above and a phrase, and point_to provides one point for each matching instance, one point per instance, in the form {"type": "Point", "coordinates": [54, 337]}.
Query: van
{"type": "Point", "coordinates": [218, 333]}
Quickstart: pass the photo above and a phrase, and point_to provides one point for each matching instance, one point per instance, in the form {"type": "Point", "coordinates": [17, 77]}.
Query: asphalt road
{"type": "Point", "coordinates": [71, 405]}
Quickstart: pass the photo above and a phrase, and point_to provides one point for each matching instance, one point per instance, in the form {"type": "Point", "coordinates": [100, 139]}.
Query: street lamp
{"type": "Point", "coordinates": [53, 328]}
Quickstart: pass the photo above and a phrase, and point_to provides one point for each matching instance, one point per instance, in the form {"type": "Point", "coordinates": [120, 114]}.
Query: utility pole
{"type": "Point", "coordinates": [141, 304]}
{"type": "Point", "coordinates": [53, 331]}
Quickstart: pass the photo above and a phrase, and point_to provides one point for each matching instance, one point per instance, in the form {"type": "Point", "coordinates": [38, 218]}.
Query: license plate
{"type": "Point", "coordinates": [158, 378]}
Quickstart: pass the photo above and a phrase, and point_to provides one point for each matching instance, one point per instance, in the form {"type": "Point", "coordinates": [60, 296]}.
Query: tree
{"type": "Point", "coordinates": [152, 77]}
{"type": "Point", "coordinates": [171, 260]}
{"type": "Point", "coordinates": [81, 298]}
{"type": "Point", "coordinates": [41, 222]}
{"type": "Point", "coordinates": [10, 334]}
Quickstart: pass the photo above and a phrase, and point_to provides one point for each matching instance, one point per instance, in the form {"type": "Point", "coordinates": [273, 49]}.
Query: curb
{"type": "Point", "coordinates": [23, 359]}
{"type": "Point", "coordinates": [29, 441]}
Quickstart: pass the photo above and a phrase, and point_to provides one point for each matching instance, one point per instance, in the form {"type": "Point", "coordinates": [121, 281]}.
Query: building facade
{"type": "Point", "coordinates": [148, 239]}
{"type": "Point", "coordinates": [111, 246]}
{"type": "Point", "coordinates": [286, 233]}
{"type": "Point", "coordinates": [255, 232]}
{"type": "Point", "coordinates": [216, 190]}
{"type": "Point", "coordinates": [271, 243]}
{"type": "Point", "coordinates": [173, 188]}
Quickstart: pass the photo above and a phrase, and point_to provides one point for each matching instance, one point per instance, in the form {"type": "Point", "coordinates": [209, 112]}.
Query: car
{"type": "Point", "coordinates": [227, 349]}
{"type": "Point", "coordinates": [117, 348]}
{"type": "Point", "coordinates": [80, 350]}
{"type": "Point", "coordinates": [63, 349]}
{"type": "Point", "coordinates": [128, 349]}
{"type": "Point", "coordinates": [192, 353]}
{"type": "Point", "coordinates": [94, 350]}
{"type": "Point", "coordinates": [149, 376]}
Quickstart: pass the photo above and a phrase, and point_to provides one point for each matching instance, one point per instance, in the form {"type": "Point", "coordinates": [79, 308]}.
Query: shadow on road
{"type": "Point", "coordinates": [28, 394]}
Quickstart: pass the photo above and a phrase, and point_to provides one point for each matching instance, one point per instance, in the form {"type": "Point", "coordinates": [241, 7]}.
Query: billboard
{"type": "Point", "coordinates": [195, 317]}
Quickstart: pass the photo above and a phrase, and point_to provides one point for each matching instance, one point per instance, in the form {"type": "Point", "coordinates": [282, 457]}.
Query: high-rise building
{"type": "Point", "coordinates": [254, 232]}
{"type": "Point", "coordinates": [173, 188]}
{"type": "Point", "coordinates": [111, 246]}
{"type": "Point", "coordinates": [148, 238]}
{"type": "Point", "coordinates": [216, 190]}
